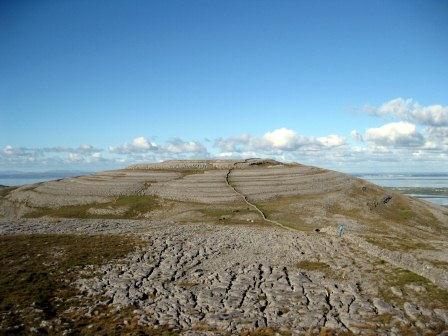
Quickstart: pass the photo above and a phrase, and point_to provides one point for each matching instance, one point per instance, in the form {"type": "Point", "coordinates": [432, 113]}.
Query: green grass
{"type": "Point", "coordinates": [135, 206]}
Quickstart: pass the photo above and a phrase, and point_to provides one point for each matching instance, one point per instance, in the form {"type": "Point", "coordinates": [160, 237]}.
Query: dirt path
{"type": "Point", "coordinates": [252, 205]}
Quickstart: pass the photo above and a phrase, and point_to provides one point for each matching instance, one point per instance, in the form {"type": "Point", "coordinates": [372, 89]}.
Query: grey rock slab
{"type": "Point", "coordinates": [411, 311]}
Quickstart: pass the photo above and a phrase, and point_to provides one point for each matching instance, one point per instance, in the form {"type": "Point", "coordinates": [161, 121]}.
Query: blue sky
{"type": "Point", "coordinates": [349, 85]}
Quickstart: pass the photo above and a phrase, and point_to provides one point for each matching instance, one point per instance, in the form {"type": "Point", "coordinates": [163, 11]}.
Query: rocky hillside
{"type": "Point", "coordinates": [243, 245]}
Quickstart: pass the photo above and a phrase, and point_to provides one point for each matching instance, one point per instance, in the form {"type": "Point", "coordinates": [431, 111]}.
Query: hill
{"type": "Point", "coordinates": [243, 245]}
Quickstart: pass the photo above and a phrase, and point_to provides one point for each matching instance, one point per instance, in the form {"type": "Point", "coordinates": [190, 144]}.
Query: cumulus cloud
{"type": "Point", "coordinates": [18, 156]}
{"type": "Point", "coordinates": [138, 145]}
{"type": "Point", "coordinates": [179, 146]}
{"type": "Point", "coordinates": [438, 134]}
{"type": "Point", "coordinates": [410, 110]}
{"type": "Point", "coordinates": [278, 142]}
{"type": "Point", "coordinates": [74, 157]}
{"type": "Point", "coordinates": [397, 134]}
{"type": "Point", "coordinates": [356, 135]}
{"type": "Point", "coordinates": [11, 151]}
{"type": "Point", "coordinates": [233, 143]}
{"type": "Point", "coordinates": [331, 141]}
{"type": "Point", "coordinates": [41, 151]}
{"type": "Point", "coordinates": [418, 135]}
{"type": "Point", "coordinates": [80, 150]}
{"type": "Point", "coordinates": [141, 149]}
{"type": "Point", "coordinates": [282, 138]}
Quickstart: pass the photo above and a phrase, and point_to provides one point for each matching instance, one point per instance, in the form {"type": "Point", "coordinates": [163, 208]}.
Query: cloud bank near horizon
{"type": "Point", "coordinates": [410, 134]}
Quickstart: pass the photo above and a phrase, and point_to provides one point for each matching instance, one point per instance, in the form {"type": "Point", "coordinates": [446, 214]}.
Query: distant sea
{"type": "Point", "coordinates": [437, 181]}
{"type": "Point", "coordinates": [14, 178]}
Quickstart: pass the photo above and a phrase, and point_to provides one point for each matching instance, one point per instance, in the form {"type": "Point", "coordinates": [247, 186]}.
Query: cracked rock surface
{"type": "Point", "coordinates": [233, 279]}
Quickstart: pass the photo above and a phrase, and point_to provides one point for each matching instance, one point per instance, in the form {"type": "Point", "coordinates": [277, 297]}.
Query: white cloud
{"type": "Point", "coordinates": [83, 149]}
{"type": "Point", "coordinates": [232, 144]}
{"type": "Point", "coordinates": [438, 135]}
{"type": "Point", "coordinates": [9, 150]}
{"type": "Point", "coordinates": [281, 138]}
{"type": "Point", "coordinates": [417, 136]}
{"type": "Point", "coordinates": [138, 145]}
{"type": "Point", "coordinates": [410, 110]}
{"type": "Point", "coordinates": [356, 135]}
{"type": "Point", "coordinates": [276, 142]}
{"type": "Point", "coordinates": [45, 156]}
{"type": "Point", "coordinates": [142, 150]}
{"type": "Point", "coordinates": [331, 141]}
{"type": "Point", "coordinates": [74, 157]}
{"type": "Point", "coordinates": [397, 134]}
{"type": "Point", "coordinates": [142, 143]}
{"type": "Point", "coordinates": [179, 146]}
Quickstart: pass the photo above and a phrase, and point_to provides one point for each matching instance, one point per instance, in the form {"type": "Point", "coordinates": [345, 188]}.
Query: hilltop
{"type": "Point", "coordinates": [249, 245]}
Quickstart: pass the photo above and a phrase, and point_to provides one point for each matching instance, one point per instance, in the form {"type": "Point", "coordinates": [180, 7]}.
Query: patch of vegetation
{"type": "Point", "coordinates": [265, 332]}
{"type": "Point", "coordinates": [402, 211]}
{"type": "Point", "coordinates": [329, 332]}
{"type": "Point", "coordinates": [216, 213]}
{"type": "Point", "coordinates": [314, 266]}
{"type": "Point", "coordinates": [397, 210]}
{"type": "Point", "coordinates": [187, 284]}
{"type": "Point", "coordinates": [37, 273]}
{"type": "Point", "coordinates": [117, 323]}
{"type": "Point", "coordinates": [433, 296]}
{"type": "Point", "coordinates": [5, 190]}
{"type": "Point", "coordinates": [403, 277]}
{"type": "Point", "coordinates": [284, 210]}
{"type": "Point", "coordinates": [134, 207]}
{"type": "Point", "coordinates": [404, 214]}
{"type": "Point", "coordinates": [339, 209]}
{"type": "Point", "coordinates": [391, 207]}
{"type": "Point", "coordinates": [440, 263]}
{"type": "Point", "coordinates": [396, 244]}
{"type": "Point", "coordinates": [231, 214]}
